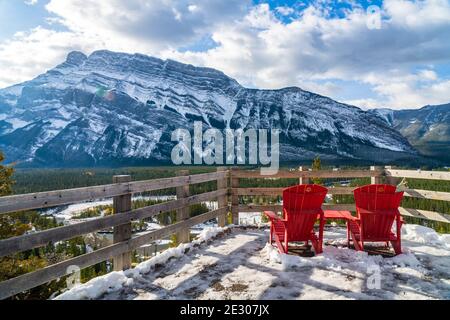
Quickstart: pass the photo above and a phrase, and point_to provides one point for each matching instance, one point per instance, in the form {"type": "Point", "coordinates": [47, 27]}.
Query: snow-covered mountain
{"type": "Point", "coordinates": [115, 108]}
{"type": "Point", "coordinates": [427, 128]}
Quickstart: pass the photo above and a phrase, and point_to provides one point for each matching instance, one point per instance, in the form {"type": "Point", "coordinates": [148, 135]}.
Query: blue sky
{"type": "Point", "coordinates": [17, 15]}
{"type": "Point", "coordinates": [397, 56]}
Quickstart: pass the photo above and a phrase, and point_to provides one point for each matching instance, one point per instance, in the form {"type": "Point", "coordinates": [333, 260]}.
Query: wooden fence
{"type": "Point", "coordinates": [120, 251]}
{"type": "Point", "coordinates": [377, 175]}
{"type": "Point", "coordinates": [227, 195]}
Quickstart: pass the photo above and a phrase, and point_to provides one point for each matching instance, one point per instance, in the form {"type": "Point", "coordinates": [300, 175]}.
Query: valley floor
{"type": "Point", "coordinates": [237, 263]}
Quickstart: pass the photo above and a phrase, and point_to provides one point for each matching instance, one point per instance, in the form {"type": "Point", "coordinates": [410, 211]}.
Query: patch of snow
{"type": "Point", "coordinates": [115, 280]}
{"type": "Point", "coordinates": [65, 213]}
{"type": "Point", "coordinates": [97, 286]}
{"type": "Point", "coordinates": [153, 226]}
{"type": "Point", "coordinates": [243, 266]}
{"type": "Point", "coordinates": [229, 106]}
{"type": "Point", "coordinates": [250, 219]}
{"type": "Point", "coordinates": [59, 123]}
{"type": "Point", "coordinates": [15, 90]}
{"type": "Point", "coordinates": [17, 123]}
{"type": "Point", "coordinates": [11, 102]}
{"type": "Point", "coordinates": [65, 113]}
{"type": "Point", "coordinates": [73, 209]}
{"type": "Point", "coordinates": [424, 235]}
{"type": "Point", "coordinates": [97, 126]}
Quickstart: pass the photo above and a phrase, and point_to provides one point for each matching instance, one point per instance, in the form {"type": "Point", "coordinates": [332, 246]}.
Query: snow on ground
{"type": "Point", "coordinates": [65, 213]}
{"type": "Point", "coordinates": [239, 264]}
{"type": "Point", "coordinates": [115, 280]}
{"type": "Point", "coordinates": [197, 229]}
{"type": "Point", "coordinates": [250, 219]}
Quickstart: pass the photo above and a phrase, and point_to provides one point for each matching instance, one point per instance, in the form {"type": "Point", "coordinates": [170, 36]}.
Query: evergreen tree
{"type": "Point", "coordinates": [316, 166]}
{"type": "Point", "coordinates": [6, 180]}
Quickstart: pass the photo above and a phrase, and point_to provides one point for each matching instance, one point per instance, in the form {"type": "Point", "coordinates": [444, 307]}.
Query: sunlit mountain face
{"type": "Point", "coordinates": [114, 109]}
{"type": "Point", "coordinates": [427, 129]}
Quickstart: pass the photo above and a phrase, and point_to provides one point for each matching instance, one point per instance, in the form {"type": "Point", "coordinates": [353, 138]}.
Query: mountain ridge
{"type": "Point", "coordinates": [427, 128]}
{"type": "Point", "coordinates": [121, 108]}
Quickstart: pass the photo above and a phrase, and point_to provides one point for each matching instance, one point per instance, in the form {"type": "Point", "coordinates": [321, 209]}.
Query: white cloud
{"type": "Point", "coordinates": [315, 48]}
{"type": "Point", "coordinates": [400, 61]}
{"type": "Point", "coordinates": [31, 2]}
{"type": "Point", "coordinates": [127, 26]}
{"type": "Point", "coordinates": [28, 54]}
{"type": "Point", "coordinates": [158, 23]}
{"type": "Point", "coordinates": [327, 88]}
{"type": "Point", "coordinates": [413, 90]}
{"type": "Point", "coordinates": [284, 10]}
{"type": "Point", "coordinates": [192, 7]}
{"type": "Point", "coordinates": [364, 103]}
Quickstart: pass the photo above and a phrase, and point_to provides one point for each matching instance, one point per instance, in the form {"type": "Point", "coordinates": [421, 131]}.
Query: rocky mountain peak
{"type": "Point", "coordinates": [116, 108]}
{"type": "Point", "coordinates": [76, 58]}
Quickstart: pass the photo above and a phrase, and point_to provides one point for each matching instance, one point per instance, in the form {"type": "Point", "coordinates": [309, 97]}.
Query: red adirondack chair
{"type": "Point", "coordinates": [377, 210]}
{"type": "Point", "coordinates": [301, 209]}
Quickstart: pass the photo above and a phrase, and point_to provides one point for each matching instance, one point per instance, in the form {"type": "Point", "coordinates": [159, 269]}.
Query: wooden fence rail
{"type": "Point", "coordinates": [33, 279]}
{"type": "Point", "coordinates": [69, 196]}
{"type": "Point", "coordinates": [377, 175]}
{"type": "Point", "coordinates": [309, 174]}
{"type": "Point", "coordinates": [39, 239]}
{"type": "Point", "coordinates": [418, 174]}
{"type": "Point", "coordinates": [120, 251]}
{"type": "Point", "coordinates": [228, 196]}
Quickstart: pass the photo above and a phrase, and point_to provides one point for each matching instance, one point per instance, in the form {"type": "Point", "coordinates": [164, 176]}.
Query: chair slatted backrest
{"type": "Point", "coordinates": [301, 205]}
{"type": "Point", "coordinates": [383, 202]}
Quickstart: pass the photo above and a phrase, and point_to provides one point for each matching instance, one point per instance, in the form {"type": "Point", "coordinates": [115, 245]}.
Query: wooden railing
{"type": "Point", "coordinates": [227, 195]}
{"type": "Point", "coordinates": [392, 176]}
{"type": "Point", "coordinates": [377, 175]}
{"type": "Point", "coordinates": [124, 243]}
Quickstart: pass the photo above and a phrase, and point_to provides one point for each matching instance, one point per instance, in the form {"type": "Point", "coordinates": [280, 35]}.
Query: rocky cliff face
{"type": "Point", "coordinates": [427, 129]}
{"type": "Point", "coordinates": [120, 109]}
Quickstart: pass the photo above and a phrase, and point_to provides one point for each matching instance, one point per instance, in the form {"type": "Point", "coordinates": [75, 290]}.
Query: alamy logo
{"type": "Point", "coordinates": [373, 17]}
{"type": "Point", "coordinates": [74, 278]}
{"type": "Point", "coordinates": [374, 278]}
{"type": "Point", "coordinates": [213, 145]}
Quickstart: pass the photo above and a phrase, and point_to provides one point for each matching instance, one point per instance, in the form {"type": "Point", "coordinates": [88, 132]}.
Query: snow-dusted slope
{"type": "Point", "coordinates": [119, 108]}
{"type": "Point", "coordinates": [241, 265]}
{"type": "Point", "coordinates": [427, 128]}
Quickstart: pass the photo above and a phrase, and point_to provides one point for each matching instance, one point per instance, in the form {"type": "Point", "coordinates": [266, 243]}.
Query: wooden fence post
{"type": "Point", "coordinates": [391, 180]}
{"type": "Point", "coordinates": [302, 180]}
{"type": "Point", "coordinates": [377, 179]}
{"type": "Point", "coordinates": [222, 201]}
{"type": "Point", "coordinates": [234, 199]}
{"type": "Point", "coordinates": [183, 236]}
{"type": "Point", "coordinates": [122, 232]}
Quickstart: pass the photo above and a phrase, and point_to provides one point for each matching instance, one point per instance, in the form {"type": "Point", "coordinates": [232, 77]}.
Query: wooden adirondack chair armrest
{"type": "Point", "coordinates": [312, 211]}
{"type": "Point", "coordinates": [365, 211]}
{"type": "Point", "coordinates": [273, 216]}
{"type": "Point", "coordinates": [318, 211]}
{"type": "Point", "coordinates": [360, 210]}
